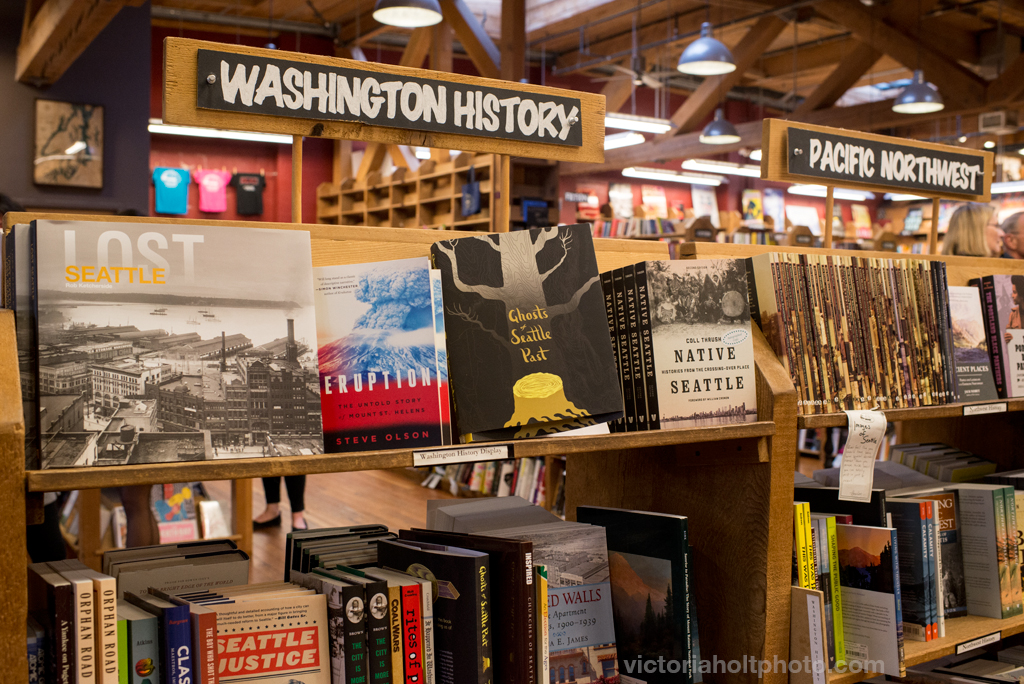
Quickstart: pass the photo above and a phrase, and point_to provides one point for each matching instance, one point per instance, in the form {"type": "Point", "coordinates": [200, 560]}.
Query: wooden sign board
{"type": "Point", "coordinates": [216, 85]}
{"type": "Point", "coordinates": [803, 153]}
{"type": "Point", "coordinates": [800, 236]}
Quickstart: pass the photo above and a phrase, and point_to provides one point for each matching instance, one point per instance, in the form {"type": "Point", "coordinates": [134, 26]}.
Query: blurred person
{"type": "Point", "coordinates": [271, 515]}
{"type": "Point", "coordinates": [973, 231]}
{"type": "Point", "coordinates": [1013, 236]}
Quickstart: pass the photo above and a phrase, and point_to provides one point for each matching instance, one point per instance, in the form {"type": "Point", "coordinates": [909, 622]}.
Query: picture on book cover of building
{"type": "Point", "coordinates": [156, 345]}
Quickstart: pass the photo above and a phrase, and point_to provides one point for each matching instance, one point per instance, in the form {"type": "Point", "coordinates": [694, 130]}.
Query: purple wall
{"type": "Point", "coordinates": [113, 72]}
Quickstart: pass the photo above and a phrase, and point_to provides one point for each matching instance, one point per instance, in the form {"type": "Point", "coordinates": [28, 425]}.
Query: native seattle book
{"type": "Point", "coordinates": [970, 352]}
{"type": "Point", "coordinates": [703, 354]}
{"type": "Point", "coordinates": [380, 380]}
{"type": "Point", "coordinates": [166, 343]}
{"type": "Point", "coordinates": [528, 307]}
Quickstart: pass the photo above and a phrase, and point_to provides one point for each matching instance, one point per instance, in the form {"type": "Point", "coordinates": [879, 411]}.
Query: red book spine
{"type": "Point", "coordinates": [412, 634]}
{"type": "Point", "coordinates": [204, 646]}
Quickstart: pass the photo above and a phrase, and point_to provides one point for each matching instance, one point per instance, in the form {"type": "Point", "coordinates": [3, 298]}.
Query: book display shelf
{"type": "Point", "coordinates": [997, 436]}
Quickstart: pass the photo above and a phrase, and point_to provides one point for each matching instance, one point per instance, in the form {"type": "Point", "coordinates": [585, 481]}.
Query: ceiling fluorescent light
{"type": "Point", "coordinates": [837, 193]}
{"type": "Point", "coordinates": [624, 139]}
{"type": "Point", "coordinates": [755, 155]}
{"type": "Point", "coordinates": [712, 166]}
{"type": "Point", "coordinates": [643, 124]}
{"type": "Point", "coordinates": [902, 197]}
{"type": "Point", "coordinates": [422, 152]}
{"type": "Point", "coordinates": [76, 147]}
{"type": "Point", "coordinates": [157, 126]}
{"type": "Point", "coordinates": [1007, 186]}
{"type": "Point", "coordinates": [673, 176]}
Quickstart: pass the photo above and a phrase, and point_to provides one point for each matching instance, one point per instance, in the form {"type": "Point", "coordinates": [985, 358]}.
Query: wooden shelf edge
{"type": "Point", "coordinates": [62, 479]}
{"type": "Point", "coordinates": [958, 631]}
{"type": "Point", "coordinates": [822, 420]}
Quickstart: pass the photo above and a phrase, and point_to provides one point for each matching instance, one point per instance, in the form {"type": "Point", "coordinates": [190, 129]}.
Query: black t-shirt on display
{"type": "Point", "coordinates": [250, 192]}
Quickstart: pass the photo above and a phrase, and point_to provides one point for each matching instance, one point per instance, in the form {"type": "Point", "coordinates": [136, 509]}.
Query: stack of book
{"type": "Point", "coordinates": [942, 462]}
{"type": "Point", "coordinates": [857, 333]}
{"type": "Point", "coordinates": [524, 477]}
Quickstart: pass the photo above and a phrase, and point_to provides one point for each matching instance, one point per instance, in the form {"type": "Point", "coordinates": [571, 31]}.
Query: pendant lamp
{"type": "Point", "coordinates": [407, 13]}
{"type": "Point", "coordinates": [918, 97]}
{"type": "Point", "coordinates": [706, 56]}
{"type": "Point", "coordinates": [719, 131]}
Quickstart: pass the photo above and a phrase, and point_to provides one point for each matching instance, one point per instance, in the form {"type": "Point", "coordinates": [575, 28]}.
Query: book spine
{"type": "Point", "coordinates": [898, 601]}
{"type": "Point", "coordinates": [526, 621]}
{"type": "Point", "coordinates": [32, 648]}
{"type": "Point", "coordinates": [837, 594]}
{"type": "Point", "coordinates": [395, 635]}
{"type": "Point", "coordinates": [33, 418]}
{"type": "Point", "coordinates": [143, 651]}
{"type": "Point", "coordinates": [825, 582]}
{"type": "Point", "coordinates": [122, 651]}
{"type": "Point", "coordinates": [85, 632]}
{"type": "Point", "coordinates": [752, 301]}
{"type": "Point", "coordinates": [979, 532]}
{"type": "Point", "coordinates": [995, 349]}
{"type": "Point", "coordinates": [625, 366]}
{"type": "Point", "coordinates": [940, 586]}
{"type": "Point", "coordinates": [429, 642]}
{"type": "Point", "coordinates": [650, 375]}
{"type": "Point", "coordinates": [378, 627]}
{"type": "Point", "coordinates": [354, 601]}
{"type": "Point", "coordinates": [942, 289]}
{"type": "Point", "coordinates": [929, 568]}
{"type": "Point", "coordinates": [176, 639]}
{"type": "Point", "coordinates": [608, 289]}
{"type": "Point", "coordinates": [635, 346]}
{"type": "Point", "coordinates": [686, 603]}
{"type": "Point", "coordinates": [543, 631]}
{"type": "Point", "coordinates": [204, 647]}
{"type": "Point", "coordinates": [484, 639]}
{"type": "Point", "coordinates": [7, 283]}
{"type": "Point", "coordinates": [1005, 592]}
{"type": "Point", "coordinates": [1010, 507]}
{"type": "Point", "coordinates": [412, 635]}
{"type": "Point", "coordinates": [105, 600]}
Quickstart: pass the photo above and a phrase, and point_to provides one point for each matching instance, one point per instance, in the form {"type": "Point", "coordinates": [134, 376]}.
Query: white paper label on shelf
{"type": "Point", "coordinates": [982, 409]}
{"type": "Point", "coordinates": [461, 455]}
{"type": "Point", "coordinates": [814, 629]}
{"type": "Point", "coordinates": [857, 470]}
{"type": "Point", "coordinates": [978, 643]}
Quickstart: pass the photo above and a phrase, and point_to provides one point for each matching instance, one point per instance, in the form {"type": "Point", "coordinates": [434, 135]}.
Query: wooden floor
{"type": "Point", "coordinates": [389, 497]}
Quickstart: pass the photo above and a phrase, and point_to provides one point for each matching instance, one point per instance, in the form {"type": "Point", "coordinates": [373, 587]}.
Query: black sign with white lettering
{"type": "Point", "coordinates": [259, 85]}
{"type": "Point", "coordinates": [840, 158]}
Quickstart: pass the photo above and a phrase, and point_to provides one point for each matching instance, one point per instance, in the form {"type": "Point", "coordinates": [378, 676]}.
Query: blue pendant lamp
{"type": "Point", "coordinates": [408, 13]}
{"type": "Point", "coordinates": [918, 97]}
{"type": "Point", "coordinates": [719, 131]}
{"type": "Point", "coordinates": [706, 56]}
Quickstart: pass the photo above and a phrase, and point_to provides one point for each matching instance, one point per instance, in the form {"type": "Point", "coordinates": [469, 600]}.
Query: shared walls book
{"type": "Point", "coordinates": [169, 343]}
{"type": "Point", "coordinates": [527, 306]}
{"type": "Point", "coordinates": [970, 345]}
{"type": "Point", "coordinates": [383, 384]}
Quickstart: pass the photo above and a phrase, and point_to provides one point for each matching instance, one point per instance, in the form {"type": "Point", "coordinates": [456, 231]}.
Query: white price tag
{"type": "Point", "coordinates": [982, 409]}
{"type": "Point", "coordinates": [857, 471]}
{"type": "Point", "coordinates": [461, 455]}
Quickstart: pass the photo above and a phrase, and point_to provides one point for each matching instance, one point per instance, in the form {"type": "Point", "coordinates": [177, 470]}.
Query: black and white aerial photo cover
{"type": "Point", "coordinates": [163, 343]}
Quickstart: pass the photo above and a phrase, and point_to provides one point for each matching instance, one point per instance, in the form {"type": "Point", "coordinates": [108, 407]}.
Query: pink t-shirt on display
{"type": "Point", "coordinates": [212, 190]}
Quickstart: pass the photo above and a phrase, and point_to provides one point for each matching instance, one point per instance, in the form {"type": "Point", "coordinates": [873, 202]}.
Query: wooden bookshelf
{"type": "Point", "coordinates": [430, 197]}
{"type": "Point", "coordinates": [996, 436]}
{"type": "Point", "coordinates": [734, 481]}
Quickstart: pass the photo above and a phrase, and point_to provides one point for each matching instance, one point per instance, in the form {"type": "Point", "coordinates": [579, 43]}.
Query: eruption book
{"type": "Point", "coordinates": [528, 307]}
{"type": "Point", "coordinates": [970, 346]}
{"type": "Point", "coordinates": [383, 380]}
{"type": "Point", "coordinates": [169, 342]}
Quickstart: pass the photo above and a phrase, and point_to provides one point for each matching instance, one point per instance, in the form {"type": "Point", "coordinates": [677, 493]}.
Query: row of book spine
{"type": "Point", "coordinates": [632, 227]}
{"type": "Point", "coordinates": [857, 332]}
{"type": "Point", "coordinates": [816, 566]}
{"type": "Point", "coordinates": [524, 477]}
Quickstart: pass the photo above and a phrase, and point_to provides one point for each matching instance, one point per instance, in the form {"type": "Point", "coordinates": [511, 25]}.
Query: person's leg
{"type": "Point", "coordinates": [271, 515]}
{"type": "Point", "coordinates": [296, 485]}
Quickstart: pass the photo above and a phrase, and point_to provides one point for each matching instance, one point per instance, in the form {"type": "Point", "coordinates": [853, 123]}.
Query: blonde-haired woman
{"type": "Point", "coordinates": [973, 231]}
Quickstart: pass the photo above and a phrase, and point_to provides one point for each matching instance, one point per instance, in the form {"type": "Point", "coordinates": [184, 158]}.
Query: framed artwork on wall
{"type": "Point", "coordinates": [68, 144]}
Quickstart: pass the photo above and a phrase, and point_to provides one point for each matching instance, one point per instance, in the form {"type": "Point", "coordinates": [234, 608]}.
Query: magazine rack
{"type": "Point", "coordinates": [997, 436]}
{"type": "Point", "coordinates": [734, 481]}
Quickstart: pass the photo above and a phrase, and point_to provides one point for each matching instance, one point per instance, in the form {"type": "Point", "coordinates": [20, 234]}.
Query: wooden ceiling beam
{"type": "Point", "coordinates": [703, 100]}
{"type": "Point", "coordinates": [353, 30]}
{"type": "Point", "coordinates": [513, 40]}
{"type": "Point", "coordinates": [474, 39]}
{"type": "Point", "coordinates": [417, 48]}
{"type": "Point", "coordinates": [957, 84]}
{"type": "Point", "coordinates": [780, 63]}
{"type": "Point", "coordinates": [1009, 85]}
{"type": "Point", "coordinates": [441, 54]}
{"type": "Point", "coordinates": [842, 78]}
{"type": "Point", "coordinates": [617, 93]}
{"type": "Point", "coordinates": [57, 34]}
{"type": "Point", "coordinates": [566, 15]}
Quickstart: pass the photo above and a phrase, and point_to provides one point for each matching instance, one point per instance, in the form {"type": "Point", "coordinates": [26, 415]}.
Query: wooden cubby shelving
{"type": "Point", "coordinates": [430, 197]}
{"type": "Point", "coordinates": [998, 436]}
{"type": "Point", "coordinates": [733, 481]}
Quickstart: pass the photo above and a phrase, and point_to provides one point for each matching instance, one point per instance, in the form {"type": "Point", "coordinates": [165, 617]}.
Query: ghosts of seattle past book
{"type": "Point", "coordinates": [527, 333]}
{"type": "Point", "coordinates": [383, 375]}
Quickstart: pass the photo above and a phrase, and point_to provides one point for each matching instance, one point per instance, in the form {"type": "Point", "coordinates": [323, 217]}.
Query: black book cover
{"type": "Point", "coordinates": [512, 595]}
{"type": "Point", "coordinates": [635, 352]}
{"type": "Point", "coordinates": [378, 621]}
{"type": "Point", "coordinates": [53, 598]}
{"type": "Point", "coordinates": [625, 365]}
{"type": "Point", "coordinates": [526, 306]}
{"type": "Point", "coordinates": [608, 289]}
{"type": "Point", "coordinates": [995, 350]}
{"type": "Point", "coordinates": [462, 612]}
{"type": "Point", "coordinates": [648, 560]}
{"type": "Point", "coordinates": [353, 599]}
{"type": "Point", "coordinates": [826, 500]}
{"type": "Point", "coordinates": [650, 376]}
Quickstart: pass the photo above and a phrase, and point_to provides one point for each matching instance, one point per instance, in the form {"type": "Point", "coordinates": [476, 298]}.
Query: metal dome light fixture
{"type": "Point", "coordinates": [706, 56]}
{"type": "Point", "coordinates": [719, 131]}
{"type": "Point", "coordinates": [918, 98]}
{"type": "Point", "coordinates": [408, 13]}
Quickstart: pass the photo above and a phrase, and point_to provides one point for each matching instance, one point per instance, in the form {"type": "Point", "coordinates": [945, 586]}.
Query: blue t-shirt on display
{"type": "Point", "coordinates": [171, 190]}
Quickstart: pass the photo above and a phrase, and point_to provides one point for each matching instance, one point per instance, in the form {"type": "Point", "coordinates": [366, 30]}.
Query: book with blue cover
{"type": "Point", "coordinates": [175, 633]}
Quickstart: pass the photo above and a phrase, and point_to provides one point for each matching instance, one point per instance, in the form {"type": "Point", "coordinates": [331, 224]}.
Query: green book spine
{"type": "Point", "coordinates": [1013, 565]}
{"type": "Point", "coordinates": [1005, 593]}
{"type": "Point", "coordinates": [122, 652]}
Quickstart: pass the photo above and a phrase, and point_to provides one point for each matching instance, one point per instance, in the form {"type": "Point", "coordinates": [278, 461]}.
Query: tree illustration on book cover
{"type": "Point", "coordinates": [527, 333]}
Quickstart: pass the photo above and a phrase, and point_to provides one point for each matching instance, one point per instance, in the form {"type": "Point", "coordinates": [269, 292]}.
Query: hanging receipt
{"type": "Point", "coordinates": [857, 471]}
